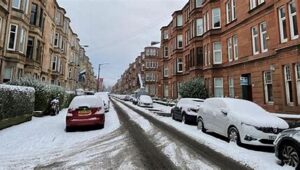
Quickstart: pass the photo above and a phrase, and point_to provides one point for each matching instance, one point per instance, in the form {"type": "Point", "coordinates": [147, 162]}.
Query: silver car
{"type": "Point", "coordinates": [287, 147]}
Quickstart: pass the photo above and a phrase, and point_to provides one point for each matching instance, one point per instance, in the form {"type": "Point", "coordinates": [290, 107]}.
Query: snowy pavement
{"type": "Point", "coordinates": [253, 159]}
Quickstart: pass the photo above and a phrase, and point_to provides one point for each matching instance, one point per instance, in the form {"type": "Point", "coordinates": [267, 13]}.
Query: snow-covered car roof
{"type": "Point", "coordinates": [103, 95]}
{"type": "Point", "coordinates": [248, 112]}
{"type": "Point", "coordinates": [146, 98]}
{"type": "Point", "coordinates": [190, 102]}
{"type": "Point", "coordinates": [85, 100]}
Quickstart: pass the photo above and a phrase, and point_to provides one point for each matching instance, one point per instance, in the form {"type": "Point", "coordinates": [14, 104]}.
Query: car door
{"type": "Point", "coordinates": [207, 115]}
{"type": "Point", "coordinates": [221, 118]}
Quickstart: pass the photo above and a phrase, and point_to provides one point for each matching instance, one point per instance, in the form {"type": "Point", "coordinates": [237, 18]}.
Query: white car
{"type": "Point", "coordinates": [105, 98]}
{"type": "Point", "coordinates": [186, 110]}
{"type": "Point", "coordinates": [241, 121]}
{"type": "Point", "coordinates": [145, 101]}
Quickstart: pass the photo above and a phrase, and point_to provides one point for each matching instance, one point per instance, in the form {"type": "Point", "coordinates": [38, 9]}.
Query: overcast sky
{"type": "Point", "coordinates": [118, 30]}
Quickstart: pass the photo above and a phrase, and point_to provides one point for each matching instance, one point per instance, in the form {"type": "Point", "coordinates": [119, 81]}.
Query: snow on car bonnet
{"type": "Point", "coordinates": [146, 99]}
{"type": "Point", "coordinates": [250, 113]}
{"type": "Point", "coordinates": [89, 101]}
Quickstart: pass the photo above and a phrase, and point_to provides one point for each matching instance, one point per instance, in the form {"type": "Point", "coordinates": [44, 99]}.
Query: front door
{"type": "Point", "coordinates": [246, 86]}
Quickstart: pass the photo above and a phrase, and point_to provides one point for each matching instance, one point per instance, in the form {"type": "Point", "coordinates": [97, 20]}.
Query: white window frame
{"type": "Point", "coordinates": [19, 4]}
{"type": "Point", "coordinates": [22, 40]}
{"type": "Point", "coordinates": [179, 21]}
{"type": "Point", "coordinates": [15, 38]}
{"type": "Point", "coordinates": [281, 26]}
{"type": "Point", "coordinates": [233, 9]}
{"type": "Point", "coordinates": [297, 74]}
{"type": "Point", "coordinates": [199, 26]}
{"type": "Point", "coordinates": [235, 47]}
{"type": "Point", "coordinates": [255, 40]}
{"type": "Point", "coordinates": [221, 87]}
{"type": "Point", "coordinates": [228, 11]}
{"type": "Point", "coordinates": [291, 15]}
{"type": "Point", "coordinates": [231, 87]}
{"type": "Point", "coordinates": [179, 38]}
{"type": "Point", "coordinates": [198, 3]}
{"type": "Point", "coordinates": [178, 64]}
{"type": "Point", "coordinates": [253, 4]}
{"type": "Point", "coordinates": [215, 51]}
{"type": "Point", "coordinates": [26, 4]}
{"type": "Point", "coordinates": [287, 79]}
{"type": "Point", "coordinates": [229, 49]}
{"type": "Point", "coordinates": [54, 61]}
{"type": "Point", "coordinates": [263, 34]}
{"type": "Point", "coordinates": [215, 16]}
{"type": "Point", "coordinates": [166, 72]}
{"type": "Point", "coordinates": [266, 83]}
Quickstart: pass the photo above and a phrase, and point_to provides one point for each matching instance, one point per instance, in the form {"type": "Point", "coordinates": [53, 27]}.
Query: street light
{"type": "Point", "coordinates": [98, 82]}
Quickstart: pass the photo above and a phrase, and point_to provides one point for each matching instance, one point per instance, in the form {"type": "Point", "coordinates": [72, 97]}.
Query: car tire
{"type": "Point", "coordinates": [290, 154]}
{"type": "Point", "coordinates": [200, 125]}
{"type": "Point", "coordinates": [68, 129]}
{"type": "Point", "coordinates": [184, 118]}
{"type": "Point", "coordinates": [172, 115]}
{"type": "Point", "coordinates": [101, 126]}
{"type": "Point", "coordinates": [233, 135]}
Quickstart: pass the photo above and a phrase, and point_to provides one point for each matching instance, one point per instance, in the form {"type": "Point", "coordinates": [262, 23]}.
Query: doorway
{"type": "Point", "coordinates": [246, 85]}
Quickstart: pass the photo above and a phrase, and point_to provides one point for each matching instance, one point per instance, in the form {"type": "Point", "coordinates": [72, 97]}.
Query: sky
{"type": "Point", "coordinates": [116, 31]}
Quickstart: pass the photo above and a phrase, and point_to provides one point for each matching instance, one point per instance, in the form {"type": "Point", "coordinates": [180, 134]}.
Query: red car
{"type": "Point", "coordinates": [85, 111]}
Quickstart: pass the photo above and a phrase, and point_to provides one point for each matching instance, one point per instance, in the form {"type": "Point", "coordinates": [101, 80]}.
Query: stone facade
{"type": "Point", "coordinates": [37, 41]}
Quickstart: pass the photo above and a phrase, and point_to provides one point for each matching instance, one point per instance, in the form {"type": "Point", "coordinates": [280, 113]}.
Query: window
{"type": "Point", "coordinates": [26, 5]}
{"type": "Point", "coordinates": [288, 85]}
{"type": "Point", "coordinates": [235, 47]}
{"type": "Point", "coordinates": [16, 4]}
{"type": "Point", "coordinates": [12, 36]}
{"type": "Point", "coordinates": [205, 55]}
{"type": "Point", "coordinates": [179, 21]}
{"type": "Point", "coordinates": [165, 35]}
{"type": "Point", "coordinates": [218, 84]}
{"type": "Point", "coordinates": [268, 86]}
{"type": "Point", "coordinates": [282, 24]}
{"type": "Point", "coordinates": [217, 53]}
{"type": "Point", "coordinates": [56, 40]}
{"type": "Point", "coordinates": [216, 18]}
{"type": "Point", "coordinates": [166, 72]}
{"type": "Point", "coordinates": [7, 75]}
{"type": "Point", "coordinates": [41, 19]}
{"type": "Point", "coordinates": [231, 87]}
{"type": "Point", "coordinates": [34, 11]}
{"type": "Point", "coordinates": [199, 3]}
{"type": "Point", "coordinates": [22, 40]}
{"type": "Point", "coordinates": [255, 40]}
{"type": "Point", "coordinates": [230, 10]}
{"type": "Point", "coordinates": [293, 20]}
{"type": "Point", "coordinates": [0, 25]}
{"type": "Point", "coordinates": [166, 90]}
{"type": "Point", "coordinates": [297, 69]}
{"type": "Point", "coordinates": [166, 51]}
{"type": "Point", "coordinates": [255, 3]}
{"type": "Point", "coordinates": [229, 49]}
{"type": "Point", "coordinates": [199, 26]}
{"type": "Point", "coordinates": [263, 37]}
{"type": "Point", "coordinates": [30, 45]}
{"type": "Point", "coordinates": [179, 41]}
{"type": "Point", "coordinates": [55, 63]}
{"type": "Point", "coordinates": [179, 65]}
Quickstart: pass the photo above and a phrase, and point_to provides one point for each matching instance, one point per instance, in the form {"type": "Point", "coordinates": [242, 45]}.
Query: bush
{"type": "Point", "coordinates": [194, 89]}
{"type": "Point", "coordinates": [44, 93]}
{"type": "Point", "coordinates": [16, 101]}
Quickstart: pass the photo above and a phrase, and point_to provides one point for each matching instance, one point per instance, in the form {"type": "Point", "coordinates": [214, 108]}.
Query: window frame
{"type": "Point", "coordinates": [178, 41]}
{"type": "Point", "coordinates": [255, 40]}
{"type": "Point", "coordinates": [217, 51]}
{"type": "Point", "coordinates": [231, 87]}
{"type": "Point", "coordinates": [292, 24]}
{"type": "Point", "coordinates": [216, 16]}
{"type": "Point", "coordinates": [178, 65]}
{"type": "Point", "coordinates": [229, 49]}
{"type": "Point", "coordinates": [15, 37]}
{"type": "Point", "coordinates": [16, 7]}
{"type": "Point", "coordinates": [221, 87]}
{"type": "Point", "coordinates": [282, 27]}
{"type": "Point", "coordinates": [264, 47]}
{"type": "Point", "coordinates": [266, 87]}
{"type": "Point", "coordinates": [199, 27]}
{"type": "Point", "coordinates": [235, 47]}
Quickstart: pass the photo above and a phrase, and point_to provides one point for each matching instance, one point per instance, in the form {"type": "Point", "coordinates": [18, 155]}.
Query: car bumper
{"type": "Point", "coordinates": [96, 120]}
{"type": "Point", "coordinates": [146, 105]}
{"type": "Point", "coordinates": [191, 118]}
{"type": "Point", "coordinates": [250, 135]}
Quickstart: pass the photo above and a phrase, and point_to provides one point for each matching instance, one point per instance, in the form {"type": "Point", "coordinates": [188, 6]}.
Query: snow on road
{"type": "Point", "coordinates": [43, 139]}
{"type": "Point", "coordinates": [177, 152]}
{"type": "Point", "coordinates": [254, 159]}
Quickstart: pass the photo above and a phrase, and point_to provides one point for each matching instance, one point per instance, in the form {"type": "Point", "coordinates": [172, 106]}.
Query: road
{"type": "Point", "coordinates": [124, 143]}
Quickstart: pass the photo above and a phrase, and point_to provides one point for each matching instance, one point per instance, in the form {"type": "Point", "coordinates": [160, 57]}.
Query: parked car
{"type": "Point", "coordinates": [134, 100]}
{"type": "Point", "coordinates": [127, 98]}
{"type": "Point", "coordinates": [105, 98]}
{"type": "Point", "coordinates": [145, 101]}
{"type": "Point", "coordinates": [186, 110]}
{"type": "Point", "coordinates": [241, 121]}
{"type": "Point", "coordinates": [287, 147]}
{"type": "Point", "coordinates": [83, 111]}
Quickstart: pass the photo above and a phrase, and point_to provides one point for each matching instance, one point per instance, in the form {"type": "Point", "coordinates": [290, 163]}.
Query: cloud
{"type": "Point", "coordinates": [118, 30]}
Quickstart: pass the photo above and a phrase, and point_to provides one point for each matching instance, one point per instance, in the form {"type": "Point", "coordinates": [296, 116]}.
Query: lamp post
{"type": "Point", "coordinates": [98, 79]}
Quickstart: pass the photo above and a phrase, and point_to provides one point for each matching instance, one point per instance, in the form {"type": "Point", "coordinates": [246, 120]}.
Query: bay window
{"type": "Point", "coordinates": [179, 21]}
{"type": "Point", "coordinates": [13, 31]}
{"type": "Point", "coordinates": [199, 26]}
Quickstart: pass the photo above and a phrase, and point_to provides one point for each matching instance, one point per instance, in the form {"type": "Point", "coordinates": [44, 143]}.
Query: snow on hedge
{"type": "Point", "coordinates": [16, 101]}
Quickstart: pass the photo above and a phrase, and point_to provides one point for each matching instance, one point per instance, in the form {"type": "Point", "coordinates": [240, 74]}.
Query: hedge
{"type": "Point", "coordinates": [44, 93]}
{"type": "Point", "coordinates": [16, 101]}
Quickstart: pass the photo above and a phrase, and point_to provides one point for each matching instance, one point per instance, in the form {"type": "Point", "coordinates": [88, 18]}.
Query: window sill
{"type": "Point", "coordinates": [229, 23]}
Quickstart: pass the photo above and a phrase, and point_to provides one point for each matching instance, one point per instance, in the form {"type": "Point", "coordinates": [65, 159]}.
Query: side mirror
{"type": "Point", "coordinates": [225, 112]}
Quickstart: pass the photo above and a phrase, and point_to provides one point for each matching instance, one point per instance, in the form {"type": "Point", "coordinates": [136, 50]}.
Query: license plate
{"type": "Point", "coordinates": [84, 112]}
{"type": "Point", "coordinates": [272, 137]}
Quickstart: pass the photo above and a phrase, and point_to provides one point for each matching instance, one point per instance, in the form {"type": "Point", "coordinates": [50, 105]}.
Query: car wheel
{"type": "Point", "coordinates": [290, 155]}
{"type": "Point", "coordinates": [68, 129]}
{"type": "Point", "coordinates": [172, 115]}
{"type": "Point", "coordinates": [233, 135]}
{"type": "Point", "coordinates": [184, 119]}
{"type": "Point", "coordinates": [101, 126]}
{"type": "Point", "coordinates": [200, 125]}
